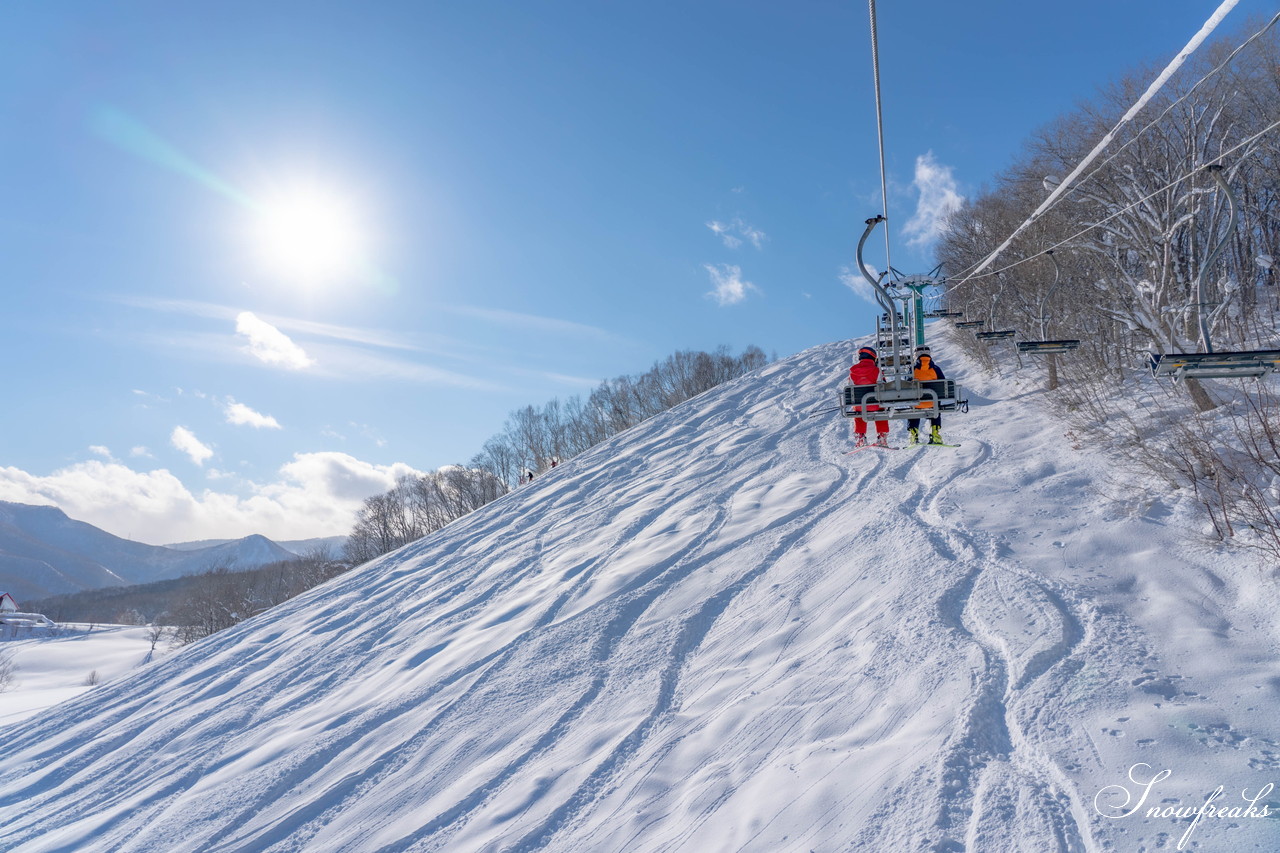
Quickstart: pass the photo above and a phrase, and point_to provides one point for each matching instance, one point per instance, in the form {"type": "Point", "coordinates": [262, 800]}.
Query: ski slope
{"type": "Point", "coordinates": [715, 632]}
{"type": "Point", "coordinates": [79, 658]}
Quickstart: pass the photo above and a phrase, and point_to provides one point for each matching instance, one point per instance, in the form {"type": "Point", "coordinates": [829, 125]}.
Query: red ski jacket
{"type": "Point", "coordinates": [865, 372]}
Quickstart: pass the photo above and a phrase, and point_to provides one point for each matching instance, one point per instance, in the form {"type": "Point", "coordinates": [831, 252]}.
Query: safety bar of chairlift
{"type": "Point", "coordinates": [902, 403]}
{"type": "Point", "coordinates": [1250, 364]}
{"type": "Point", "coordinates": [971, 324]}
{"type": "Point", "coordinates": [1047, 347]}
{"type": "Point", "coordinates": [939, 315]}
{"type": "Point", "coordinates": [1004, 334]}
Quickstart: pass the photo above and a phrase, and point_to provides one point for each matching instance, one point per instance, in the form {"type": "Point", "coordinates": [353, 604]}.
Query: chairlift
{"type": "Point", "coordinates": [1238, 364]}
{"type": "Point", "coordinates": [1251, 364]}
{"type": "Point", "coordinates": [885, 337]}
{"type": "Point", "coordinates": [971, 324]}
{"type": "Point", "coordinates": [1044, 346]}
{"type": "Point", "coordinates": [1047, 347]}
{"type": "Point", "coordinates": [900, 395]}
{"type": "Point", "coordinates": [942, 315]}
{"type": "Point", "coordinates": [992, 337]}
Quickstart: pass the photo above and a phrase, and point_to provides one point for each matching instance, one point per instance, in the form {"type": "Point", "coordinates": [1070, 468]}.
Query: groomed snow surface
{"type": "Point", "coordinates": [51, 667]}
{"type": "Point", "coordinates": [716, 632]}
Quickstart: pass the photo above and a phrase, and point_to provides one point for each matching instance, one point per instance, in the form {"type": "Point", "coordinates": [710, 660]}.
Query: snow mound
{"type": "Point", "coordinates": [713, 632]}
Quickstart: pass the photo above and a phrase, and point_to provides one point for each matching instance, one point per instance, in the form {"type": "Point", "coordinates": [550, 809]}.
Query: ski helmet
{"type": "Point", "coordinates": [866, 352]}
{"type": "Point", "coordinates": [923, 350]}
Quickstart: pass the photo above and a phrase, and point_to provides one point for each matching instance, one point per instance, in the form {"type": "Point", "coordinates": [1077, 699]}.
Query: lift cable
{"type": "Point", "coordinates": [1271, 23]}
{"type": "Point", "coordinates": [1171, 106]}
{"type": "Point", "coordinates": [1209, 26]}
{"type": "Point", "coordinates": [884, 184]}
{"type": "Point", "coordinates": [1123, 210]}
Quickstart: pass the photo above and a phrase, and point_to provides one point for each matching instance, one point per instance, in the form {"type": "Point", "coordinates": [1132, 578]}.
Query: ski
{"type": "Point", "coordinates": [932, 444]}
{"type": "Point", "coordinates": [870, 447]}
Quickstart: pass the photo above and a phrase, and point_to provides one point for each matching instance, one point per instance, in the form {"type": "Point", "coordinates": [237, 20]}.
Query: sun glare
{"type": "Point", "coordinates": [309, 235]}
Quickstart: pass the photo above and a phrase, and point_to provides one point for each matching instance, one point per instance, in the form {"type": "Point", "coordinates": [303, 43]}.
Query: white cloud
{"type": "Point", "coordinates": [340, 476]}
{"type": "Point", "coordinates": [345, 352]}
{"type": "Point", "coordinates": [352, 334]}
{"type": "Point", "coordinates": [755, 235]}
{"type": "Point", "coordinates": [241, 415]}
{"type": "Point", "coordinates": [99, 450]}
{"type": "Point", "coordinates": [729, 286]}
{"type": "Point", "coordinates": [270, 345]}
{"type": "Point", "coordinates": [373, 337]}
{"type": "Point", "coordinates": [530, 322]}
{"type": "Point", "coordinates": [724, 232]}
{"type": "Point", "coordinates": [315, 494]}
{"type": "Point", "coordinates": [939, 198]}
{"type": "Point", "coordinates": [370, 433]}
{"type": "Point", "coordinates": [733, 233]}
{"type": "Point", "coordinates": [856, 282]}
{"type": "Point", "coordinates": [140, 452]}
{"type": "Point", "coordinates": [351, 362]}
{"type": "Point", "coordinates": [186, 441]}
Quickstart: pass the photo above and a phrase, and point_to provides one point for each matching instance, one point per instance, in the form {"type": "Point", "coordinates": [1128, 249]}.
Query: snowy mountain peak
{"type": "Point", "coordinates": [44, 552]}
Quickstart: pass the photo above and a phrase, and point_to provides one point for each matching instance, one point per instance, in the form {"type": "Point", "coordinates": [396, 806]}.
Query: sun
{"type": "Point", "coordinates": [309, 234]}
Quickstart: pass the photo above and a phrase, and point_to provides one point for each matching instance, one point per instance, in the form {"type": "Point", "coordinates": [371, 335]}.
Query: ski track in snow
{"type": "Point", "coordinates": [713, 632]}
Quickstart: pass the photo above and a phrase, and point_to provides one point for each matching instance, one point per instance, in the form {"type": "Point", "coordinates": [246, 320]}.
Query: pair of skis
{"type": "Point", "coordinates": [863, 447]}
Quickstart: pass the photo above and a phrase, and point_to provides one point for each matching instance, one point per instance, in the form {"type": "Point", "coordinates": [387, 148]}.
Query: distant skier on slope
{"type": "Point", "coordinates": [926, 369]}
{"type": "Point", "coordinates": [866, 371]}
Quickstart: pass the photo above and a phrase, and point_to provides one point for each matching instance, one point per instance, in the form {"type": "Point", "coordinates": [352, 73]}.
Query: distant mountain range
{"type": "Point", "coordinates": [297, 546]}
{"type": "Point", "coordinates": [43, 552]}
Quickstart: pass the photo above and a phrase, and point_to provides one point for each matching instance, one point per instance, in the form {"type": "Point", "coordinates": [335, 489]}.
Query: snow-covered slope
{"type": "Point", "coordinates": [714, 632]}
{"type": "Point", "coordinates": [51, 669]}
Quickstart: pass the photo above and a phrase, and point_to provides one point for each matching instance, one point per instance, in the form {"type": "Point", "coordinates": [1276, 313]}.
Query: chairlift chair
{"type": "Point", "coordinates": [941, 315]}
{"type": "Point", "coordinates": [971, 324]}
{"type": "Point", "coordinates": [883, 341]}
{"type": "Point", "coordinates": [1239, 364]}
{"type": "Point", "coordinates": [1047, 347]}
{"type": "Point", "coordinates": [992, 337]}
{"type": "Point", "coordinates": [1251, 364]}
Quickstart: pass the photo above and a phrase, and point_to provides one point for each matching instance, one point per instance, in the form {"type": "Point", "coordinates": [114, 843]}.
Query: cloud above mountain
{"type": "Point", "coordinates": [314, 494]}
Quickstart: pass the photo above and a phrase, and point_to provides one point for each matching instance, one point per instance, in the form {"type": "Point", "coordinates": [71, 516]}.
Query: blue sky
{"type": "Point", "coordinates": [520, 199]}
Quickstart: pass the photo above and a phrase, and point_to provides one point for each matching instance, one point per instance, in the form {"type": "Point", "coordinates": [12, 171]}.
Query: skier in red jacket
{"type": "Point", "coordinates": [867, 372]}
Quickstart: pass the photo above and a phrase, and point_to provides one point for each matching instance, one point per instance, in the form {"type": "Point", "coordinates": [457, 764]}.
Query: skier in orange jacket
{"type": "Point", "coordinates": [866, 371]}
{"type": "Point", "coordinates": [925, 369]}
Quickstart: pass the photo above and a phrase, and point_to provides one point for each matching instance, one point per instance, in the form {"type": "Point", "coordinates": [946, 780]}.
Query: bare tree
{"type": "Point", "coordinates": [8, 669]}
{"type": "Point", "coordinates": [1132, 239]}
{"type": "Point", "coordinates": [535, 438]}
